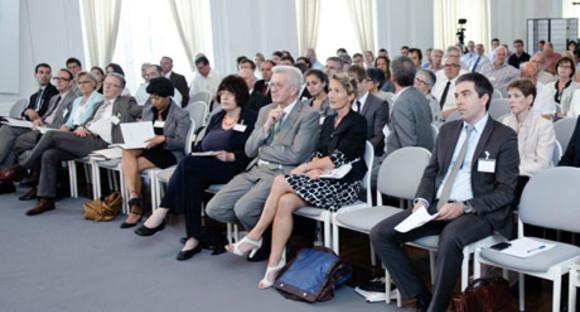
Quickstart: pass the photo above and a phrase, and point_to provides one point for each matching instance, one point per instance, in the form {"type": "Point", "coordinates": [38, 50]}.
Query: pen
{"type": "Point", "coordinates": [537, 248]}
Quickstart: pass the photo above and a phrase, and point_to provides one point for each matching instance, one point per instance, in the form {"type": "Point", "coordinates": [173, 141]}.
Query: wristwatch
{"type": "Point", "coordinates": [467, 208]}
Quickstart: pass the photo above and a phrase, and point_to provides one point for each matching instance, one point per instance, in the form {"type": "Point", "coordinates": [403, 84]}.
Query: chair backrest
{"type": "Point", "coordinates": [496, 94]}
{"type": "Point", "coordinates": [453, 116]}
{"type": "Point", "coordinates": [401, 172]}
{"type": "Point", "coordinates": [17, 108]}
{"type": "Point", "coordinates": [190, 138]}
{"type": "Point", "coordinates": [557, 153]}
{"type": "Point", "coordinates": [389, 96]}
{"type": "Point", "coordinates": [498, 108]}
{"type": "Point", "coordinates": [197, 112]}
{"type": "Point", "coordinates": [564, 129]}
{"type": "Point", "coordinates": [369, 160]}
{"type": "Point", "coordinates": [203, 96]}
{"type": "Point", "coordinates": [435, 132]}
{"type": "Point", "coordinates": [550, 199]}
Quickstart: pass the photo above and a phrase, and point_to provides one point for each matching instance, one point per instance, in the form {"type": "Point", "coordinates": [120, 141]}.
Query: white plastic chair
{"type": "Point", "coordinates": [197, 112]}
{"type": "Point", "coordinates": [326, 216]}
{"type": "Point", "coordinates": [496, 94]}
{"type": "Point", "coordinates": [17, 108]}
{"type": "Point", "coordinates": [498, 107]}
{"type": "Point", "coordinates": [564, 129]}
{"type": "Point", "coordinates": [435, 133]}
{"type": "Point", "coordinates": [573, 283]}
{"type": "Point", "coordinates": [557, 153]}
{"type": "Point", "coordinates": [546, 202]}
{"type": "Point", "coordinates": [203, 96]}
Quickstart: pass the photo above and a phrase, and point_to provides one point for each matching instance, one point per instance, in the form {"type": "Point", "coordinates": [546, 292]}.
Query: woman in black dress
{"type": "Point", "coordinates": [342, 141]}
{"type": "Point", "coordinates": [225, 135]}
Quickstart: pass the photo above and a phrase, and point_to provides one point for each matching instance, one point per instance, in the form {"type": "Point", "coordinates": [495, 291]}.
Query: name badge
{"type": "Point", "coordinates": [115, 120]}
{"type": "Point", "coordinates": [322, 120]}
{"type": "Point", "coordinates": [485, 164]}
{"type": "Point", "coordinates": [159, 124]}
{"type": "Point", "coordinates": [240, 128]}
{"type": "Point", "coordinates": [64, 112]}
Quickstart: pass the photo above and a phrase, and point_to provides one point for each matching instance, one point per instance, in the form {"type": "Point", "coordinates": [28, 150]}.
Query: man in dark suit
{"type": "Point", "coordinates": [263, 85]}
{"type": "Point", "coordinates": [257, 99]}
{"type": "Point", "coordinates": [375, 110]}
{"type": "Point", "coordinates": [57, 146]}
{"type": "Point", "coordinates": [38, 103]}
{"type": "Point", "coordinates": [470, 181]}
{"type": "Point", "coordinates": [571, 157]}
{"type": "Point", "coordinates": [178, 80]}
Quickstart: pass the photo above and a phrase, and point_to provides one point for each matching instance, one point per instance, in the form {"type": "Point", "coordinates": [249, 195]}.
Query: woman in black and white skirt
{"type": "Point", "coordinates": [342, 141]}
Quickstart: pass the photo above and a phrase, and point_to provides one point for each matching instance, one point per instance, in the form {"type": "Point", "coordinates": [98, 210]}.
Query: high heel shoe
{"type": "Point", "coordinates": [235, 248]}
{"type": "Point", "coordinates": [265, 283]}
{"type": "Point", "coordinates": [133, 203]}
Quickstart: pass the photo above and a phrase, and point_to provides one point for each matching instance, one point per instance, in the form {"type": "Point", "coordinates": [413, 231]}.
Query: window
{"type": "Point", "coordinates": [335, 30]}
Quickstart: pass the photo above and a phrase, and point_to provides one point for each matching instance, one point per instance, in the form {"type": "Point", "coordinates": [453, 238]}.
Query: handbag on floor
{"type": "Point", "coordinates": [312, 275]}
{"type": "Point", "coordinates": [485, 295]}
{"type": "Point", "coordinates": [104, 208]}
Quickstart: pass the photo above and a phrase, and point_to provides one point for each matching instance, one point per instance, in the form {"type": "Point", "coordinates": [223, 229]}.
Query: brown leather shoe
{"type": "Point", "coordinates": [44, 204]}
{"type": "Point", "coordinates": [13, 174]}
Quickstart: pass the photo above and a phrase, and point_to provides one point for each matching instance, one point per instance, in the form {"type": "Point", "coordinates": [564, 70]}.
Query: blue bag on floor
{"type": "Point", "coordinates": [312, 275]}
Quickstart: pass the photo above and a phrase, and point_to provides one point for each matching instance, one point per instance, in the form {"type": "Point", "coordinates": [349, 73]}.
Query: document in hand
{"type": "Point", "coordinates": [135, 134]}
{"type": "Point", "coordinates": [415, 220]}
{"type": "Point", "coordinates": [204, 154]}
{"type": "Point", "coordinates": [525, 247]}
{"type": "Point", "coordinates": [17, 122]}
{"type": "Point", "coordinates": [337, 173]}
{"type": "Point", "coordinates": [108, 153]}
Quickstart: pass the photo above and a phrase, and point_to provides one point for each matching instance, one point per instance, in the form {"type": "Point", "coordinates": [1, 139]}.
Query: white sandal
{"type": "Point", "coordinates": [265, 283]}
{"type": "Point", "coordinates": [235, 248]}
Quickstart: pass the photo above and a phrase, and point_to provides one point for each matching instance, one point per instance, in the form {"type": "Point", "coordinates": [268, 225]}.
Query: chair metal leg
{"type": "Point", "coordinates": [432, 255]}
{"type": "Point", "coordinates": [229, 233]}
{"type": "Point", "coordinates": [72, 173]}
{"type": "Point", "coordinates": [373, 255]}
{"type": "Point", "coordinates": [387, 287]}
{"type": "Point", "coordinates": [96, 178]}
{"type": "Point", "coordinates": [572, 282]}
{"type": "Point", "coordinates": [465, 269]}
{"type": "Point", "coordinates": [327, 237]}
{"type": "Point", "coordinates": [557, 293]}
{"type": "Point", "coordinates": [335, 240]}
{"type": "Point", "coordinates": [522, 291]}
{"type": "Point", "coordinates": [236, 233]}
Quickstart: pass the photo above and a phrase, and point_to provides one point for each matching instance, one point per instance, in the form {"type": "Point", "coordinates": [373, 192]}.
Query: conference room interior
{"type": "Point", "coordinates": [58, 261]}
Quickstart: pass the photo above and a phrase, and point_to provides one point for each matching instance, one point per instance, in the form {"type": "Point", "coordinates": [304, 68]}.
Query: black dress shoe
{"type": "Point", "coordinates": [145, 231]}
{"type": "Point", "coordinates": [126, 225]}
{"type": "Point", "coordinates": [7, 187]}
{"type": "Point", "coordinates": [187, 254]}
{"type": "Point", "coordinates": [30, 195]}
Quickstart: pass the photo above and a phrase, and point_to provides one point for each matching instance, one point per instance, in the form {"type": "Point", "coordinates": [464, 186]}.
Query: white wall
{"type": "Point", "coordinates": [401, 23]}
{"type": "Point", "coordinates": [244, 27]}
{"type": "Point", "coordinates": [50, 32]}
{"type": "Point", "coordinates": [508, 19]}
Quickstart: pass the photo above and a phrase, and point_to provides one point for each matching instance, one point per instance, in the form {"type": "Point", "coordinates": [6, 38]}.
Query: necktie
{"type": "Point", "coordinates": [265, 89]}
{"type": "Point", "coordinates": [38, 99]}
{"type": "Point", "coordinates": [475, 64]}
{"type": "Point", "coordinates": [50, 117]}
{"type": "Point", "coordinates": [101, 111]}
{"type": "Point", "coordinates": [444, 198]}
{"type": "Point", "coordinates": [358, 107]}
{"type": "Point", "coordinates": [444, 95]}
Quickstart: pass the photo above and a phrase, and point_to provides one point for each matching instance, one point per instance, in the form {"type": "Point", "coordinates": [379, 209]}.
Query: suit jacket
{"type": "Point", "coordinates": [48, 93]}
{"type": "Point", "coordinates": [571, 157]}
{"type": "Point", "coordinates": [304, 95]}
{"type": "Point", "coordinates": [295, 142]}
{"type": "Point", "coordinates": [238, 139]}
{"type": "Point", "coordinates": [126, 109]}
{"type": "Point", "coordinates": [180, 84]}
{"type": "Point", "coordinates": [175, 130]}
{"type": "Point", "coordinates": [62, 112]}
{"type": "Point", "coordinates": [493, 192]}
{"type": "Point", "coordinates": [410, 121]}
{"type": "Point", "coordinates": [376, 112]}
{"type": "Point", "coordinates": [259, 86]}
{"type": "Point", "coordinates": [257, 101]}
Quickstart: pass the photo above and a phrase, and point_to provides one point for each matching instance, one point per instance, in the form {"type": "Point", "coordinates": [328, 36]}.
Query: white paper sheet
{"type": "Point", "coordinates": [525, 247]}
{"type": "Point", "coordinates": [135, 134]}
{"type": "Point", "coordinates": [337, 173]}
{"type": "Point", "coordinates": [44, 130]}
{"type": "Point", "coordinates": [17, 123]}
{"type": "Point", "coordinates": [108, 153]}
{"type": "Point", "coordinates": [415, 220]}
{"type": "Point", "coordinates": [204, 154]}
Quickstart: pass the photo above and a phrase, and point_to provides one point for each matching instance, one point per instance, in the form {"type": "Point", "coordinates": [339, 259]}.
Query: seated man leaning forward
{"type": "Point", "coordinates": [470, 181]}
{"type": "Point", "coordinates": [284, 136]}
{"type": "Point", "coordinates": [68, 144]}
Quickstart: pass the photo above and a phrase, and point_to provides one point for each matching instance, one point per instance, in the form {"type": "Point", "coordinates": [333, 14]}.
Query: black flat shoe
{"type": "Point", "coordinates": [188, 254]}
{"type": "Point", "coordinates": [133, 203]}
{"type": "Point", "coordinates": [126, 225]}
{"type": "Point", "coordinates": [145, 231]}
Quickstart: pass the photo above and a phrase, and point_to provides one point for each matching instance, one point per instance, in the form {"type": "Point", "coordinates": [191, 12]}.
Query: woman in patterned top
{"type": "Point", "coordinates": [342, 141]}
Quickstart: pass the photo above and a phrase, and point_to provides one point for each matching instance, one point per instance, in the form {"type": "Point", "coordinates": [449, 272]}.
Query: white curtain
{"type": "Point", "coordinates": [189, 21]}
{"type": "Point", "coordinates": [307, 21]}
{"type": "Point", "coordinates": [361, 12]}
{"type": "Point", "coordinates": [446, 14]}
{"type": "Point", "coordinates": [101, 25]}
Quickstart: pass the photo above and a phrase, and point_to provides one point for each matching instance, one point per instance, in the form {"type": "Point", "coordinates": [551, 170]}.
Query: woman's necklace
{"type": "Point", "coordinates": [229, 124]}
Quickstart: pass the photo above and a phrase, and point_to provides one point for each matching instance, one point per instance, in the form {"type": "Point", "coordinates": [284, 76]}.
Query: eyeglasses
{"type": "Point", "coordinates": [421, 81]}
{"type": "Point", "coordinates": [60, 79]}
{"type": "Point", "coordinates": [111, 85]}
{"type": "Point", "coordinates": [451, 65]}
{"type": "Point", "coordinates": [565, 66]}
{"type": "Point", "coordinates": [84, 82]}
{"type": "Point", "coordinates": [276, 86]}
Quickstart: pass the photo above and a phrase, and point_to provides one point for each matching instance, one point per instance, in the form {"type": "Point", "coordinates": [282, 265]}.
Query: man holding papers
{"type": "Point", "coordinates": [56, 146]}
{"type": "Point", "coordinates": [469, 182]}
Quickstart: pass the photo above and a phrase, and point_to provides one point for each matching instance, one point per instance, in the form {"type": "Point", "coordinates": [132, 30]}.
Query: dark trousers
{"type": "Point", "coordinates": [454, 236]}
{"type": "Point", "coordinates": [186, 187]}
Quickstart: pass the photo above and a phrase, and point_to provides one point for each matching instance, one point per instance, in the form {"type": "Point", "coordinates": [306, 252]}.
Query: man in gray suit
{"type": "Point", "coordinates": [284, 136]}
{"type": "Point", "coordinates": [375, 110]}
{"type": "Point", "coordinates": [470, 181]}
{"type": "Point", "coordinates": [14, 141]}
{"type": "Point", "coordinates": [57, 146]}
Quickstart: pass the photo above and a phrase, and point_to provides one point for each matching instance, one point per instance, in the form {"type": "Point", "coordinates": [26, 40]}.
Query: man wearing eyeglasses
{"type": "Point", "coordinates": [444, 88]}
{"type": "Point", "coordinates": [57, 146]}
{"type": "Point", "coordinates": [15, 141]}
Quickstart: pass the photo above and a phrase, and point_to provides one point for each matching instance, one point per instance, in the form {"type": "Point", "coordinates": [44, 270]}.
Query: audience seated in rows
{"type": "Point", "coordinates": [205, 78]}
{"type": "Point", "coordinates": [176, 79]}
{"type": "Point", "coordinates": [444, 88]}
{"type": "Point", "coordinates": [317, 84]}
